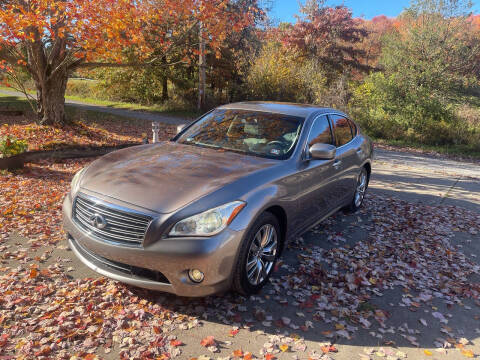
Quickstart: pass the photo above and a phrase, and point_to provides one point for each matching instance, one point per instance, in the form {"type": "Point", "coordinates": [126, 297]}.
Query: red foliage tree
{"type": "Point", "coordinates": [330, 35]}
{"type": "Point", "coordinates": [49, 39]}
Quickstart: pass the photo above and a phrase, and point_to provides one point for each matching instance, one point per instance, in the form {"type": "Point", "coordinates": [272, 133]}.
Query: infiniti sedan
{"type": "Point", "coordinates": [213, 208]}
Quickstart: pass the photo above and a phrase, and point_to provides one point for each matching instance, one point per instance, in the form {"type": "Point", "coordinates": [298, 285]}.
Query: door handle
{"type": "Point", "coordinates": [360, 151]}
{"type": "Point", "coordinates": [337, 163]}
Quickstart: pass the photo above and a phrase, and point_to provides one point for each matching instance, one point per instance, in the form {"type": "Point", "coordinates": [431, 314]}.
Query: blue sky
{"type": "Point", "coordinates": [284, 10]}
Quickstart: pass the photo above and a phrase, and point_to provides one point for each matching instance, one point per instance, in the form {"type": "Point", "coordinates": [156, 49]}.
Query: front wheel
{"type": "Point", "coordinates": [360, 190]}
{"type": "Point", "coordinates": [258, 255]}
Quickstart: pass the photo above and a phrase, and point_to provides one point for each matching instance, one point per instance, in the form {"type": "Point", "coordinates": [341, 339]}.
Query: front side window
{"type": "Point", "coordinates": [341, 128]}
{"type": "Point", "coordinates": [320, 132]}
{"type": "Point", "coordinates": [251, 132]}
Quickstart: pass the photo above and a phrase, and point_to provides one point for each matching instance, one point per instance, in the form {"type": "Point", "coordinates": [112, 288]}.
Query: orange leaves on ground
{"type": "Point", "coordinates": [467, 353]}
{"type": "Point", "coordinates": [98, 133]}
{"type": "Point", "coordinates": [3, 339]}
{"type": "Point", "coordinates": [238, 353]}
{"type": "Point", "coordinates": [269, 357]}
{"type": "Point", "coordinates": [233, 332]}
{"type": "Point", "coordinates": [328, 348]}
{"type": "Point", "coordinates": [175, 343]}
{"type": "Point", "coordinates": [33, 273]}
{"type": "Point", "coordinates": [208, 341]}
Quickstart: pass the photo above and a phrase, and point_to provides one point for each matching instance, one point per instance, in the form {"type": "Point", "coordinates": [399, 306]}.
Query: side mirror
{"type": "Point", "coordinates": [323, 151]}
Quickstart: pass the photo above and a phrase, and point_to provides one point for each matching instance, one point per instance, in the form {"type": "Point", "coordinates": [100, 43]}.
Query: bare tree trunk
{"type": "Point", "coordinates": [165, 89]}
{"type": "Point", "coordinates": [202, 73]}
{"type": "Point", "coordinates": [51, 99]}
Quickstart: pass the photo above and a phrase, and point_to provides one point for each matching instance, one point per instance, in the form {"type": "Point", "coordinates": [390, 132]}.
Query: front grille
{"type": "Point", "coordinates": [121, 226]}
{"type": "Point", "coordinates": [120, 267]}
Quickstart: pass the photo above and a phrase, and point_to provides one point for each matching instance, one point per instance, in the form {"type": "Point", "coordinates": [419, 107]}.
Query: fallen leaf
{"type": "Point", "coordinates": [467, 353]}
{"type": "Point", "coordinates": [208, 341]}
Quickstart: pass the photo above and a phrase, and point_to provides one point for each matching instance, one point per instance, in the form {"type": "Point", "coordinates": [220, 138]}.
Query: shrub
{"type": "Point", "coordinates": [279, 75]}
{"type": "Point", "coordinates": [388, 108]}
{"type": "Point", "coordinates": [10, 146]}
{"type": "Point", "coordinates": [84, 88]}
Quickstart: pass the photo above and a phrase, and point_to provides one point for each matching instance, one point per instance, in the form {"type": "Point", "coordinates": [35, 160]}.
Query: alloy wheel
{"type": "Point", "coordinates": [361, 188]}
{"type": "Point", "coordinates": [262, 254]}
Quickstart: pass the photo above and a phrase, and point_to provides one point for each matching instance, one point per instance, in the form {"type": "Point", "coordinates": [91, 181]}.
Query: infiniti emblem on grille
{"type": "Point", "coordinates": [98, 221]}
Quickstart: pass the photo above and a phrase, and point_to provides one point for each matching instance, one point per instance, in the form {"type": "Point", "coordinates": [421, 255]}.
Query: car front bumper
{"type": "Point", "coordinates": [161, 265]}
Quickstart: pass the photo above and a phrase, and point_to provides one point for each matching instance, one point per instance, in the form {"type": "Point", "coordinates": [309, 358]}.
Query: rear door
{"type": "Point", "coordinates": [346, 160]}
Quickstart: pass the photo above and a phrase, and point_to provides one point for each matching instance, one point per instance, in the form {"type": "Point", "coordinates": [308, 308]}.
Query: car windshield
{"type": "Point", "coordinates": [251, 132]}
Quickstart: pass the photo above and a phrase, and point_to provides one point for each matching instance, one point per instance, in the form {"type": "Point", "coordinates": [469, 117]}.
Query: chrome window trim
{"type": "Point", "coordinates": [306, 150]}
{"type": "Point", "coordinates": [333, 130]}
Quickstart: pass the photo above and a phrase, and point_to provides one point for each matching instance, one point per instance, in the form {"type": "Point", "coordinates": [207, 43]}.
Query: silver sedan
{"type": "Point", "coordinates": [213, 208]}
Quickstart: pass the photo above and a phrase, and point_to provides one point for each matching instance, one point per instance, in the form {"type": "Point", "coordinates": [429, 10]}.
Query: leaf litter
{"type": "Point", "coordinates": [44, 313]}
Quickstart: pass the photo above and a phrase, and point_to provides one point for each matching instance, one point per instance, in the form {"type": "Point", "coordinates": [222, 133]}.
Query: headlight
{"type": "Point", "coordinates": [208, 223]}
{"type": "Point", "coordinates": [76, 181]}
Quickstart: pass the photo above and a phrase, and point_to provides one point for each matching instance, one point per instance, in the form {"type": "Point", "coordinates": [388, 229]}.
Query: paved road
{"type": "Point", "coordinates": [149, 116]}
{"type": "Point", "coordinates": [427, 179]}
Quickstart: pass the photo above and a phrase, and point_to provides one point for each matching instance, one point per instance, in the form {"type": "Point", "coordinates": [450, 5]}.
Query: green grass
{"type": "Point", "coordinates": [9, 102]}
{"type": "Point", "coordinates": [465, 151]}
{"type": "Point", "coordinates": [158, 108]}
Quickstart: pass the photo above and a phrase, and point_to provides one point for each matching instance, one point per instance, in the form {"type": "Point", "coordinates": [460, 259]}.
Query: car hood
{"type": "Point", "coordinates": [167, 176]}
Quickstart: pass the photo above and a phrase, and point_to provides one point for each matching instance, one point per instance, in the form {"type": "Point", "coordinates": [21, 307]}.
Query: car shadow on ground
{"type": "Point", "coordinates": [428, 188]}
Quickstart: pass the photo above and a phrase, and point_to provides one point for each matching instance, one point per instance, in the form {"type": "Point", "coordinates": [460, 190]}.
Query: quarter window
{"type": "Point", "coordinates": [341, 127]}
{"type": "Point", "coordinates": [354, 127]}
{"type": "Point", "coordinates": [320, 132]}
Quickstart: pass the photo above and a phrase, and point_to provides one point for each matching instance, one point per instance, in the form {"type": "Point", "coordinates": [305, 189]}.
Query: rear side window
{"type": "Point", "coordinates": [341, 128]}
{"type": "Point", "coordinates": [320, 132]}
{"type": "Point", "coordinates": [353, 127]}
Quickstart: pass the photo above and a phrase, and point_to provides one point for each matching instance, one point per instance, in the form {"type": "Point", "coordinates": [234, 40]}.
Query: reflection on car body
{"type": "Point", "coordinates": [213, 208]}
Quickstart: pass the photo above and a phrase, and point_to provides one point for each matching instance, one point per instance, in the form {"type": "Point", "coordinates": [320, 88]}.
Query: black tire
{"type": "Point", "coordinates": [241, 283]}
{"type": "Point", "coordinates": [354, 206]}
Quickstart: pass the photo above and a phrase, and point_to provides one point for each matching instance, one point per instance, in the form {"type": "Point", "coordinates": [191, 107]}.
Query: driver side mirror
{"type": "Point", "coordinates": [323, 151]}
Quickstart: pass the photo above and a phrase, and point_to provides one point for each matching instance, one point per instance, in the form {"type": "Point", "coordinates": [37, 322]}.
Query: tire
{"type": "Point", "coordinates": [249, 252]}
{"type": "Point", "coordinates": [360, 191]}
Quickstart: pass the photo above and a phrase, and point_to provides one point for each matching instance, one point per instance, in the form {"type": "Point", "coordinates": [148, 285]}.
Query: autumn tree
{"type": "Point", "coordinates": [372, 44]}
{"type": "Point", "coordinates": [428, 61]}
{"type": "Point", "coordinates": [49, 39]}
{"type": "Point", "coordinates": [435, 46]}
{"type": "Point", "coordinates": [328, 34]}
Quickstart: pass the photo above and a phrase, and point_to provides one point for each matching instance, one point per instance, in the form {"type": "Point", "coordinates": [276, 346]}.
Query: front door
{"type": "Point", "coordinates": [317, 178]}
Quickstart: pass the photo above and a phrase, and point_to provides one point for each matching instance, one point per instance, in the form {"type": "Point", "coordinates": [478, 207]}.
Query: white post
{"type": "Point", "coordinates": [155, 129]}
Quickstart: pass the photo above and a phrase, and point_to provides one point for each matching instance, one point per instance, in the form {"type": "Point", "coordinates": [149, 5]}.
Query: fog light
{"type": "Point", "coordinates": [196, 275]}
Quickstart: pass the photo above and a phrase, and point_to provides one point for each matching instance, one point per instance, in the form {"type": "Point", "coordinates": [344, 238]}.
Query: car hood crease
{"type": "Point", "coordinates": [167, 176]}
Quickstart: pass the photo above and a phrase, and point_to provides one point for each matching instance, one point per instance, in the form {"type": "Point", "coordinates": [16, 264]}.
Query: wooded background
{"type": "Point", "coordinates": [413, 78]}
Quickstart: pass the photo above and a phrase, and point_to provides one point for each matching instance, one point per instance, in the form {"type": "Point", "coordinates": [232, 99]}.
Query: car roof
{"type": "Point", "coordinates": [292, 109]}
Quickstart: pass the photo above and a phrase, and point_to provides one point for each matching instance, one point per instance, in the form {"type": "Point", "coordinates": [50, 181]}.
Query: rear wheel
{"type": "Point", "coordinates": [360, 190]}
{"type": "Point", "coordinates": [258, 255]}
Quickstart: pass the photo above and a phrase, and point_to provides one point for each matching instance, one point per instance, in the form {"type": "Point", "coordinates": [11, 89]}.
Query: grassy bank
{"type": "Point", "coordinates": [164, 109]}
{"type": "Point", "coordinates": [455, 151]}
